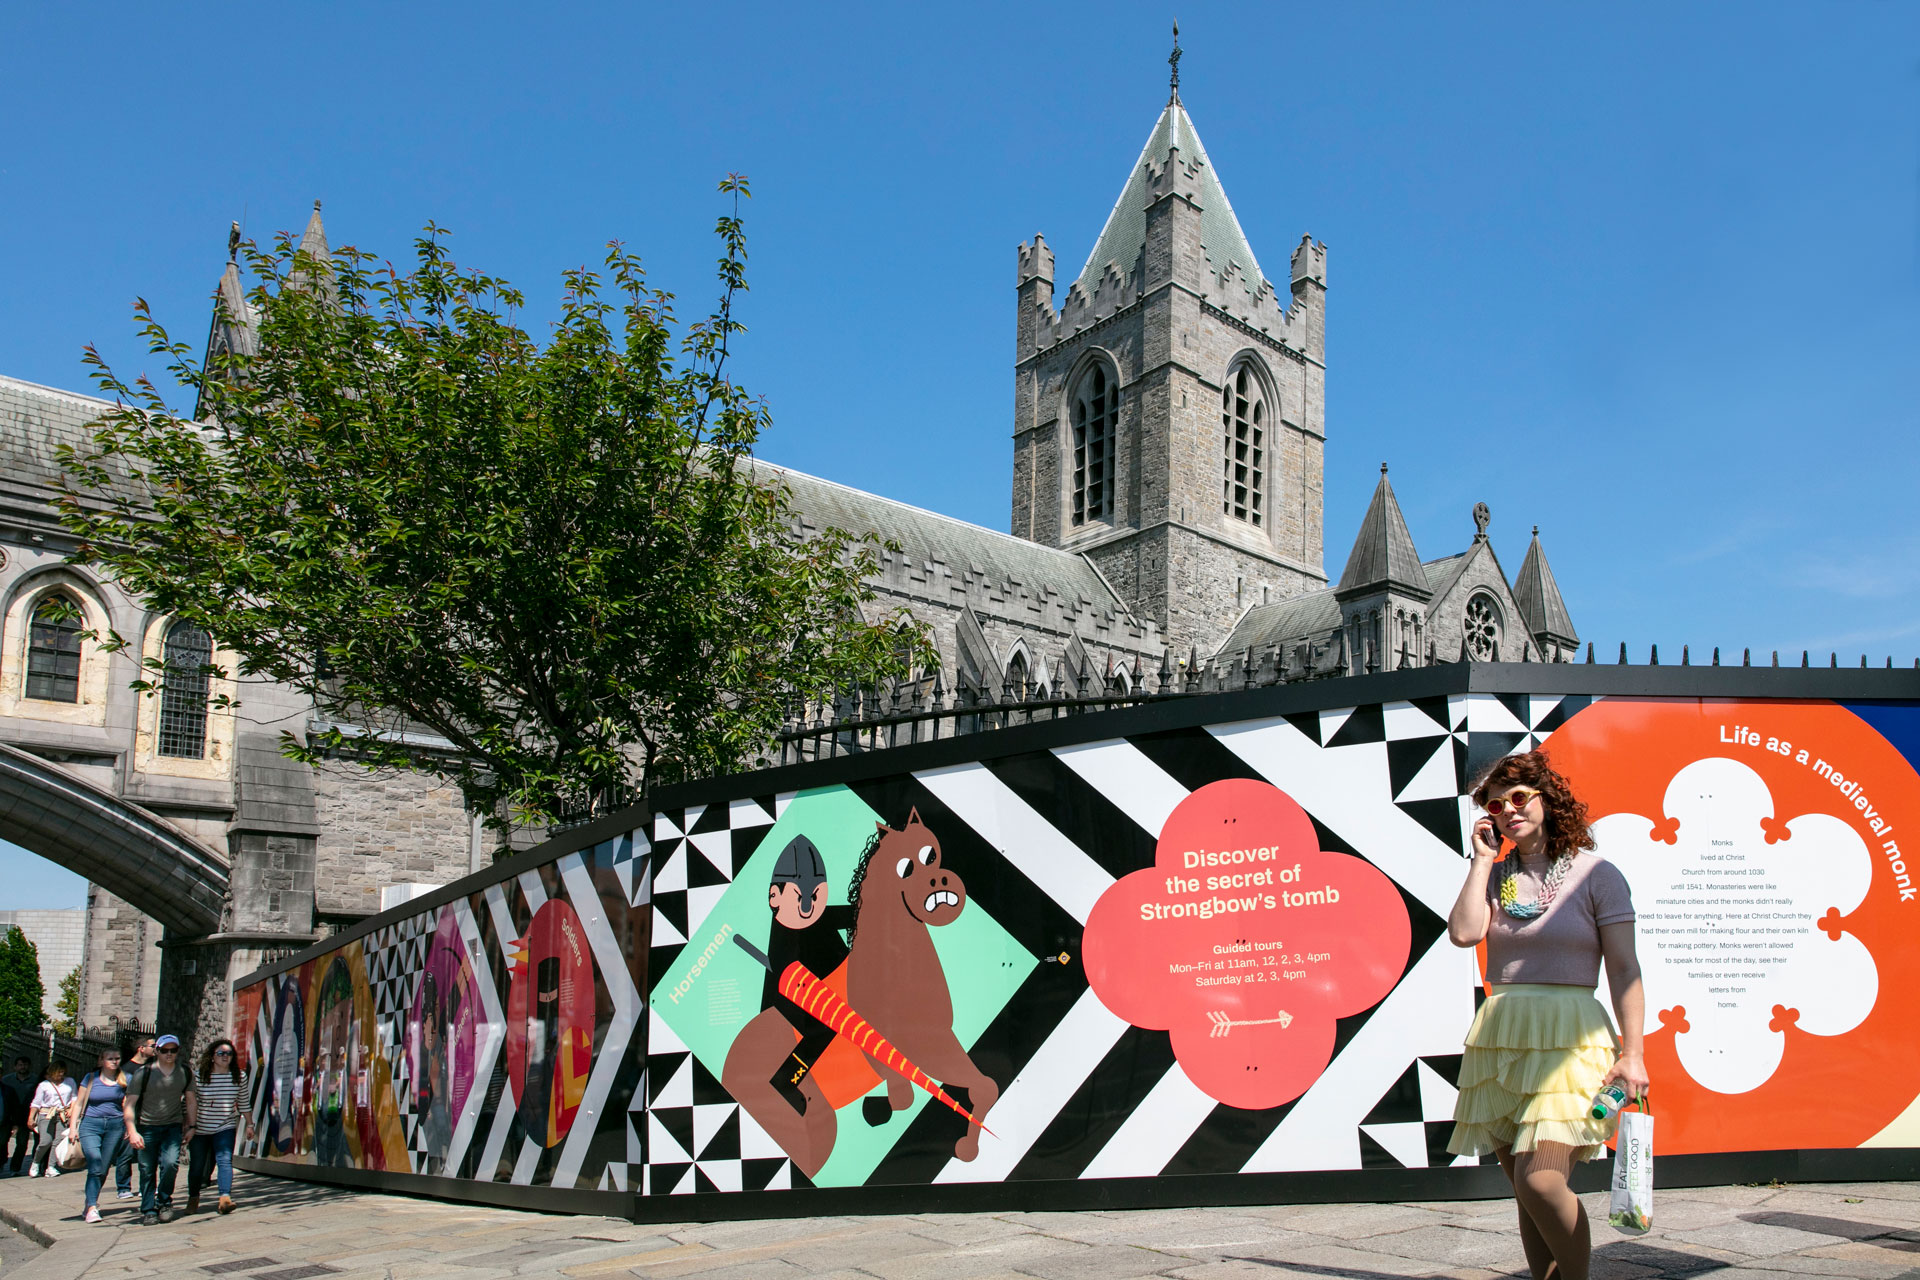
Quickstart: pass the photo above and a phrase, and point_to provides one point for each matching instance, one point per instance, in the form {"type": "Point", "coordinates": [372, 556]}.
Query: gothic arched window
{"type": "Point", "coordinates": [183, 694]}
{"type": "Point", "coordinates": [1096, 419]}
{"type": "Point", "coordinates": [1243, 416]}
{"type": "Point", "coordinates": [1019, 680]}
{"type": "Point", "coordinates": [53, 649]}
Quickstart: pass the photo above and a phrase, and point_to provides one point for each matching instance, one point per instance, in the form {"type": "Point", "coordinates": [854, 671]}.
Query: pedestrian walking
{"type": "Point", "coordinates": [100, 1125]}
{"type": "Point", "coordinates": [138, 1053]}
{"type": "Point", "coordinates": [1540, 1048]}
{"type": "Point", "coordinates": [221, 1096]}
{"type": "Point", "coordinates": [160, 1107]}
{"type": "Point", "coordinates": [16, 1100]}
{"type": "Point", "coordinates": [52, 1111]}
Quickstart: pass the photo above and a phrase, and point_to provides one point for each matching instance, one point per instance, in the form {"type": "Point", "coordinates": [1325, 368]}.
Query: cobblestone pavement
{"type": "Point", "coordinates": [291, 1231]}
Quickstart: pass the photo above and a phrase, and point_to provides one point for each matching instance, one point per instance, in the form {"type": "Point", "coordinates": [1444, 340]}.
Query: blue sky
{"type": "Point", "coordinates": [1645, 275]}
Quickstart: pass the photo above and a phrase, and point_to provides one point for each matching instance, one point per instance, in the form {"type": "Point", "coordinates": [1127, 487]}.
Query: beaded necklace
{"type": "Point", "coordinates": [1549, 887]}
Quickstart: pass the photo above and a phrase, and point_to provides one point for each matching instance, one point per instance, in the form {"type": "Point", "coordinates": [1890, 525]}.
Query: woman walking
{"type": "Point", "coordinates": [101, 1124]}
{"type": "Point", "coordinates": [222, 1089]}
{"type": "Point", "coordinates": [52, 1111]}
{"type": "Point", "coordinates": [1541, 1047]}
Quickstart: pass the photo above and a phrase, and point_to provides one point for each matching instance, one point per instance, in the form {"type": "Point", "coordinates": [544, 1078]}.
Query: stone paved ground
{"type": "Point", "coordinates": [285, 1229]}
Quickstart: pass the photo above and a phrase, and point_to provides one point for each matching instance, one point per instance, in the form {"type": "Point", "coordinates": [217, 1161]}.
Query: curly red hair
{"type": "Point", "coordinates": [1568, 830]}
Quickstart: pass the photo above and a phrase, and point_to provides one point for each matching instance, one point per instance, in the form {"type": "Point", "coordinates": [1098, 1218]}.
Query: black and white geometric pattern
{"type": "Point", "coordinates": [1410, 1125]}
{"type": "Point", "coordinates": [395, 957]}
{"type": "Point", "coordinates": [1038, 838]}
{"type": "Point", "coordinates": [696, 1136]}
{"type": "Point", "coordinates": [696, 853]}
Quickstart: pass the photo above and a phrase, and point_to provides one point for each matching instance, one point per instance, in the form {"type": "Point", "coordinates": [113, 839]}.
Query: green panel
{"type": "Point", "coordinates": [707, 1003]}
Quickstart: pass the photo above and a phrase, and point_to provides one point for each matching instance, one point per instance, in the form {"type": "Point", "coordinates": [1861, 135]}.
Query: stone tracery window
{"type": "Point", "coordinates": [183, 695]}
{"type": "Point", "coordinates": [1096, 419]}
{"type": "Point", "coordinates": [1243, 419]}
{"type": "Point", "coordinates": [1019, 683]}
{"type": "Point", "coordinates": [53, 649]}
{"type": "Point", "coordinates": [1483, 628]}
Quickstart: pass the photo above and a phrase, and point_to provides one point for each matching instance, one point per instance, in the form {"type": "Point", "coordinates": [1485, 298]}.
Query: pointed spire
{"type": "Point", "coordinates": [235, 329]}
{"type": "Point", "coordinates": [1221, 239]}
{"type": "Point", "coordinates": [1538, 596]}
{"type": "Point", "coordinates": [1383, 554]}
{"type": "Point", "coordinates": [318, 271]}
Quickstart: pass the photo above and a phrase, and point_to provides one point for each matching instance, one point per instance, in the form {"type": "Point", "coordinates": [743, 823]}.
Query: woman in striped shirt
{"type": "Point", "coordinates": [222, 1090]}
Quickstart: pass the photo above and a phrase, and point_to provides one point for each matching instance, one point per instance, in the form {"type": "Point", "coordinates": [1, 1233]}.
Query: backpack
{"type": "Point", "coordinates": [139, 1106]}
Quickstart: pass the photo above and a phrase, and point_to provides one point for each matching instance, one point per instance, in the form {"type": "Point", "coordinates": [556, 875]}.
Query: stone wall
{"type": "Point", "coordinates": [121, 974]}
{"type": "Point", "coordinates": [197, 1007]}
{"type": "Point", "coordinates": [383, 827]}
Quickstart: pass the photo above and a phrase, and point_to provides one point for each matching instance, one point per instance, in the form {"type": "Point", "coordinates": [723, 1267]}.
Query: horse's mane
{"type": "Point", "coordinates": [860, 877]}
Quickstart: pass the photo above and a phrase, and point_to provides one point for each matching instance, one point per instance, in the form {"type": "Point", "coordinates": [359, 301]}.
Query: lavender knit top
{"type": "Point", "coordinates": [1562, 945]}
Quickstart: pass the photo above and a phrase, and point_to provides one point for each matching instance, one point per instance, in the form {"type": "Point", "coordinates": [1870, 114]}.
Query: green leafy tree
{"type": "Point", "coordinates": [21, 992]}
{"type": "Point", "coordinates": [66, 1009]}
{"type": "Point", "coordinates": [559, 556]}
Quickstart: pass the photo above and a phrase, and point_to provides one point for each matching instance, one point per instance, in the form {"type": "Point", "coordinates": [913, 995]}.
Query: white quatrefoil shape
{"type": "Point", "coordinates": [1743, 933]}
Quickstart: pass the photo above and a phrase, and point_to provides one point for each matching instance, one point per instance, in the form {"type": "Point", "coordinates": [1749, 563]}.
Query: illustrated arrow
{"type": "Point", "coordinates": [1223, 1025]}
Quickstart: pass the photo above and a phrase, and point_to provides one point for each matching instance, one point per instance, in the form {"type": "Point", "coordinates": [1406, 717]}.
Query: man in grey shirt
{"type": "Point", "coordinates": [160, 1109]}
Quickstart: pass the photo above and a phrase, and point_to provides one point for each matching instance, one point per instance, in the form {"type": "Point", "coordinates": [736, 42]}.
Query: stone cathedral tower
{"type": "Point", "coordinates": [1169, 417]}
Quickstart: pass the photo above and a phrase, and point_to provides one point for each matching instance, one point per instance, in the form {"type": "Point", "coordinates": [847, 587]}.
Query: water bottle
{"type": "Point", "coordinates": [1608, 1101]}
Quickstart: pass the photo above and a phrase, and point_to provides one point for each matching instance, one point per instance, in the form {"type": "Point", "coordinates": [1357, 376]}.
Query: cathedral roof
{"type": "Point", "coordinates": [1538, 596]}
{"type": "Point", "coordinates": [1444, 572]}
{"type": "Point", "coordinates": [925, 536]}
{"type": "Point", "coordinates": [34, 422]}
{"type": "Point", "coordinates": [1304, 617]}
{"type": "Point", "coordinates": [1383, 554]}
{"type": "Point", "coordinates": [1125, 234]}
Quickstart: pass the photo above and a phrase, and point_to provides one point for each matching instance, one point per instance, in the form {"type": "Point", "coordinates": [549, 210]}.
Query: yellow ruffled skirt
{"type": "Point", "coordinates": [1535, 1057]}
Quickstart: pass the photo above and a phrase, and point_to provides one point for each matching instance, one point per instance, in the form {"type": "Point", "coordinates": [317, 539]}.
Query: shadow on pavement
{"type": "Point", "coordinates": [1847, 1229]}
{"type": "Point", "coordinates": [1637, 1259]}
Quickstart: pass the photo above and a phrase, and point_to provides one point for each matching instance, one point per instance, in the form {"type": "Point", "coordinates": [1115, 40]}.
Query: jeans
{"type": "Point", "coordinates": [101, 1139]}
{"type": "Point", "coordinates": [206, 1154]}
{"type": "Point", "coordinates": [123, 1167]}
{"type": "Point", "coordinates": [159, 1165]}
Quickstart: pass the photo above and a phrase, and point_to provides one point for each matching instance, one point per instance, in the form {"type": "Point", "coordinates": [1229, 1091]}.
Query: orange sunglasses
{"type": "Point", "coordinates": [1518, 798]}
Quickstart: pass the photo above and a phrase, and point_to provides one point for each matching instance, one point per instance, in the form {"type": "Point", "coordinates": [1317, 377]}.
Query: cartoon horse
{"type": "Point", "coordinates": [894, 978]}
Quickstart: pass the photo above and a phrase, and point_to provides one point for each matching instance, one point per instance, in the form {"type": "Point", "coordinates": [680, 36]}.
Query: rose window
{"type": "Point", "coordinates": [1483, 629]}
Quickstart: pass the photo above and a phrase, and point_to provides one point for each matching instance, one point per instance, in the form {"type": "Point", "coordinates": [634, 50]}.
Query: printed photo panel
{"type": "Point", "coordinates": [496, 1037]}
{"type": "Point", "coordinates": [1205, 950]}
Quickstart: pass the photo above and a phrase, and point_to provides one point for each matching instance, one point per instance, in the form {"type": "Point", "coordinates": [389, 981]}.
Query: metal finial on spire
{"type": "Point", "coordinates": [1174, 61]}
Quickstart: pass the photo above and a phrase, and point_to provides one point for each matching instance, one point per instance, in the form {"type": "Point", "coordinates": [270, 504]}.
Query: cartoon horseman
{"type": "Point", "coordinates": [769, 1066]}
{"type": "Point", "coordinates": [805, 929]}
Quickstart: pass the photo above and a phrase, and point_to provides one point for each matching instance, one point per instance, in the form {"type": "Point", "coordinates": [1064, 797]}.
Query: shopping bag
{"type": "Point", "coordinates": [67, 1155]}
{"type": "Point", "coordinates": [1632, 1207]}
